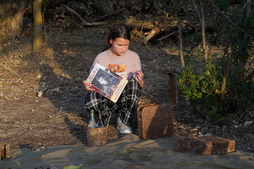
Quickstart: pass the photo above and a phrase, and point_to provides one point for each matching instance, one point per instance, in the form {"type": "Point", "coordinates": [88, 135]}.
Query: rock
{"type": "Point", "coordinates": [205, 145]}
{"type": "Point", "coordinates": [39, 93]}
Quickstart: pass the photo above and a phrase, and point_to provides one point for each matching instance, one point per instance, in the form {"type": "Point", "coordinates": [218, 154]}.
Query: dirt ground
{"type": "Point", "coordinates": [41, 96]}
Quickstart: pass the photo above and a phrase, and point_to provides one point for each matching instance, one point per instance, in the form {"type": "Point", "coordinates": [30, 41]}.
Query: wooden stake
{"type": "Point", "coordinates": [4, 151]}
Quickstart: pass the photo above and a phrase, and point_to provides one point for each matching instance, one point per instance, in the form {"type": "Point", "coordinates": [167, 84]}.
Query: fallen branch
{"type": "Point", "coordinates": [154, 25]}
{"type": "Point", "coordinates": [167, 35]}
{"type": "Point", "coordinates": [152, 33]}
{"type": "Point", "coordinates": [137, 23]}
{"type": "Point", "coordinates": [85, 23]}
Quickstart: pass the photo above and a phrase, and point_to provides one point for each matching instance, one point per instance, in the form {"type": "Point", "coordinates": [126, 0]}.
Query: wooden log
{"type": "Point", "coordinates": [97, 136]}
{"type": "Point", "coordinates": [163, 22]}
{"type": "Point", "coordinates": [138, 23]}
{"type": "Point", "coordinates": [153, 26]}
{"type": "Point", "coordinates": [7, 151]}
{"type": "Point", "coordinates": [4, 151]}
{"type": "Point", "coordinates": [113, 133]}
{"type": "Point", "coordinates": [151, 34]}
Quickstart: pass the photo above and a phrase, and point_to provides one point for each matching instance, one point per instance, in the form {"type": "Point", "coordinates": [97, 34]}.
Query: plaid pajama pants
{"type": "Point", "coordinates": [125, 106]}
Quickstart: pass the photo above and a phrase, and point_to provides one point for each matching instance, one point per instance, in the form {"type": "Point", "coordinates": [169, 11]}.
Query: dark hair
{"type": "Point", "coordinates": [118, 31]}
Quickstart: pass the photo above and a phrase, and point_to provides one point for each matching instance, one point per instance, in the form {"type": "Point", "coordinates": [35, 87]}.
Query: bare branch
{"type": "Point", "coordinates": [230, 19]}
{"type": "Point", "coordinates": [85, 23]}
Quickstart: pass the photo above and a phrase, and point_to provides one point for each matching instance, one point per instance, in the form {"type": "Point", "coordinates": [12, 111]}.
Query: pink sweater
{"type": "Point", "coordinates": [128, 62]}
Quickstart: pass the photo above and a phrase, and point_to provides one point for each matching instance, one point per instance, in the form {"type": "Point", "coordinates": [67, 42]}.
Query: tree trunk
{"type": "Point", "coordinates": [38, 23]}
{"type": "Point", "coordinates": [181, 44]}
{"type": "Point", "coordinates": [96, 136]}
{"type": "Point", "coordinates": [225, 75]}
{"type": "Point", "coordinates": [203, 29]}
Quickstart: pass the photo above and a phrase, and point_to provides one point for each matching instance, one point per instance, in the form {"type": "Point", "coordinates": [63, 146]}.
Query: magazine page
{"type": "Point", "coordinates": [106, 83]}
{"type": "Point", "coordinates": [119, 69]}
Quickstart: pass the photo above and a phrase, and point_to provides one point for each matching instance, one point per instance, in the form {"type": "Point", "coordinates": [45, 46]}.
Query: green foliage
{"type": "Point", "coordinates": [237, 53]}
{"type": "Point", "coordinates": [240, 91]}
{"type": "Point", "coordinates": [212, 112]}
{"type": "Point", "coordinates": [189, 84]}
{"type": "Point", "coordinates": [201, 89]}
{"type": "Point", "coordinates": [225, 87]}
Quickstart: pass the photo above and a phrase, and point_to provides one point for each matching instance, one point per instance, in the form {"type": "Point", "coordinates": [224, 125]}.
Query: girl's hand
{"type": "Point", "coordinates": [138, 76]}
{"type": "Point", "coordinates": [88, 86]}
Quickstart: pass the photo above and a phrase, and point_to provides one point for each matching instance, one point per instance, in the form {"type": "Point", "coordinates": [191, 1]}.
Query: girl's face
{"type": "Point", "coordinates": [119, 46]}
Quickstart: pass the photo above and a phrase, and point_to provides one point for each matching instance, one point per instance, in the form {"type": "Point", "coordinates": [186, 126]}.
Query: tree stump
{"type": "Point", "coordinates": [97, 136]}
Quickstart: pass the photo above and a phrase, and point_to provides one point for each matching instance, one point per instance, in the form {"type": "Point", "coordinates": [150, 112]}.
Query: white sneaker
{"type": "Point", "coordinates": [123, 128]}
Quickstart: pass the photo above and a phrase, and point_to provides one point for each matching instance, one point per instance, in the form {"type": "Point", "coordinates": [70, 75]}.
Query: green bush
{"type": "Point", "coordinates": [202, 90]}
{"type": "Point", "coordinates": [205, 94]}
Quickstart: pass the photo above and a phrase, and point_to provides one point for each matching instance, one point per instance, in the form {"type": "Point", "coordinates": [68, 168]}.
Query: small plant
{"type": "Point", "coordinates": [202, 90]}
